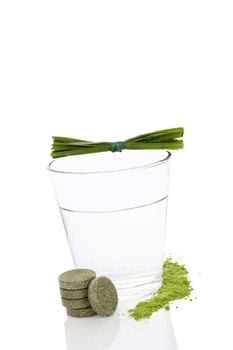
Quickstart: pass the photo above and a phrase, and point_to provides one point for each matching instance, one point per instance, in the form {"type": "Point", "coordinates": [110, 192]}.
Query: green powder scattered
{"type": "Point", "coordinates": [176, 285]}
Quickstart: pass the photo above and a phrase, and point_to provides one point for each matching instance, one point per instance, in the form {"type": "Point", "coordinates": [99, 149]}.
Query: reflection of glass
{"type": "Point", "coordinates": [94, 333]}
{"type": "Point", "coordinates": [114, 333]}
{"type": "Point", "coordinates": [114, 207]}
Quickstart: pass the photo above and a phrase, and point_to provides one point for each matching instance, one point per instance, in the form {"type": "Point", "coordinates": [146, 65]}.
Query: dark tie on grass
{"type": "Point", "coordinates": [168, 139]}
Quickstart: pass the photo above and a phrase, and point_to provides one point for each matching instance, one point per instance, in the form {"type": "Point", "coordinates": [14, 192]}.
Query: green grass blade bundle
{"type": "Point", "coordinates": [169, 139]}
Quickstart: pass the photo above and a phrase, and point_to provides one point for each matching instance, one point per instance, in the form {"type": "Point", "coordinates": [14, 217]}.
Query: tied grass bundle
{"type": "Point", "coordinates": [163, 139]}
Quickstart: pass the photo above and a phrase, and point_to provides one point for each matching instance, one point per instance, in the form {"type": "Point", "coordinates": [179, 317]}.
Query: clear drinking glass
{"type": "Point", "coordinates": [114, 208]}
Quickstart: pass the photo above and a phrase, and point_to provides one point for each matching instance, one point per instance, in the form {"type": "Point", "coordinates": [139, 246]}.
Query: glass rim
{"type": "Point", "coordinates": [147, 165]}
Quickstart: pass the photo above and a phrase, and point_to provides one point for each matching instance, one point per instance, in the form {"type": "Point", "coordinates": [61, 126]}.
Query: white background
{"type": "Point", "coordinates": [109, 70]}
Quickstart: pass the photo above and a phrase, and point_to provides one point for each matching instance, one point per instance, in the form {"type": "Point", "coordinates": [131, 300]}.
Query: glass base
{"type": "Point", "coordinates": [133, 288]}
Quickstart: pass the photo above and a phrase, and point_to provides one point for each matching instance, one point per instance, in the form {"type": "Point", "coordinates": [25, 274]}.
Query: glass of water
{"type": "Point", "coordinates": [113, 207]}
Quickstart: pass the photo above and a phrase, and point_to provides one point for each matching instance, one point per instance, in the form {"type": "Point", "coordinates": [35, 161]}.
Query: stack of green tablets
{"type": "Point", "coordinates": [74, 292]}
{"type": "Point", "coordinates": [84, 295]}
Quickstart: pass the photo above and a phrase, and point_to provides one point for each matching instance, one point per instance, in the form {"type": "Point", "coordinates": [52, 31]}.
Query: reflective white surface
{"type": "Point", "coordinates": [120, 332]}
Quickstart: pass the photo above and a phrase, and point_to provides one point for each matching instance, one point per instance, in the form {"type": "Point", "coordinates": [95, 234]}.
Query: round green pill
{"type": "Point", "coordinates": [73, 294]}
{"type": "Point", "coordinates": [75, 304]}
{"type": "Point", "coordinates": [76, 279]}
{"type": "Point", "coordinates": [102, 295]}
{"type": "Point", "coordinates": [87, 312]}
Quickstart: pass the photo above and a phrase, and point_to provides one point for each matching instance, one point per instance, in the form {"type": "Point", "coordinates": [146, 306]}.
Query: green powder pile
{"type": "Point", "coordinates": [176, 285]}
